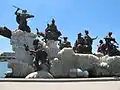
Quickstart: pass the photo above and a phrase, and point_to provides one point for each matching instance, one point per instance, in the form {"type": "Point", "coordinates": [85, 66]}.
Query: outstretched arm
{"type": "Point", "coordinates": [115, 41]}
{"type": "Point", "coordinates": [29, 16]}
{"type": "Point", "coordinates": [95, 38]}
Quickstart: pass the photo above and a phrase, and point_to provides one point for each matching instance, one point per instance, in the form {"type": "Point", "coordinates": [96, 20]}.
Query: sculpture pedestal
{"type": "Point", "coordinates": [52, 49]}
{"type": "Point", "coordinates": [22, 66]}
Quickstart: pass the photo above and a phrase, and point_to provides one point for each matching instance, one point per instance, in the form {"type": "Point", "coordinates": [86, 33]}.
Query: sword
{"type": "Point", "coordinates": [16, 7]}
{"type": "Point", "coordinates": [19, 8]}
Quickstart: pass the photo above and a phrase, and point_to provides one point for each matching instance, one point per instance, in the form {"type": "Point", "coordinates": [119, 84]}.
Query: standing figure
{"type": "Point", "coordinates": [88, 41]}
{"type": "Point", "coordinates": [21, 19]}
{"type": "Point", "coordinates": [65, 43]}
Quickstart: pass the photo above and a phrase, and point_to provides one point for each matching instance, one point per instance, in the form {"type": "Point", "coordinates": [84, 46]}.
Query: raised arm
{"type": "Point", "coordinates": [16, 12]}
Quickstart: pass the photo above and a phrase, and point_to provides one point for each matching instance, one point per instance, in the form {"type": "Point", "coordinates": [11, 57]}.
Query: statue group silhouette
{"type": "Point", "coordinates": [82, 45]}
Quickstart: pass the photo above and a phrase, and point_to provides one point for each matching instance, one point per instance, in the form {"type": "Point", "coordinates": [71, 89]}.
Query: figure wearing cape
{"type": "Point", "coordinates": [21, 19]}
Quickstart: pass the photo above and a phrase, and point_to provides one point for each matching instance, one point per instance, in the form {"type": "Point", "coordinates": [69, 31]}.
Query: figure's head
{"type": "Point", "coordinates": [86, 32]}
{"type": "Point", "coordinates": [47, 25]}
{"type": "Point", "coordinates": [53, 20]}
{"type": "Point", "coordinates": [110, 33]}
{"type": "Point", "coordinates": [101, 41]}
{"type": "Point", "coordinates": [65, 38]}
{"type": "Point", "coordinates": [24, 11]}
{"type": "Point", "coordinates": [79, 34]}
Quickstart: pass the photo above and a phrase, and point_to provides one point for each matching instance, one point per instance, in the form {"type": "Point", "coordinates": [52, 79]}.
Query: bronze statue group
{"type": "Point", "coordinates": [82, 45]}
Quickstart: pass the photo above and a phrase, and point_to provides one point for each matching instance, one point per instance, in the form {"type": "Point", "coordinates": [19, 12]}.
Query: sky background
{"type": "Point", "coordinates": [72, 16]}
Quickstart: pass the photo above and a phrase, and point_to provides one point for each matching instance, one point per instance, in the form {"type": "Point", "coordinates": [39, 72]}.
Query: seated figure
{"type": "Point", "coordinates": [65, 44]}
{"type": "Point", "coordinates": [79, 43]}
{"type": "Point", "coordinates": [101, 47]}
{"type": "Point", "coordinates": [51, 32]}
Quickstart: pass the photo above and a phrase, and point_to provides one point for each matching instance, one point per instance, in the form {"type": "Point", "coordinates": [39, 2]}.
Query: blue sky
{"type": "Point", "coordinates": [72, 16]}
